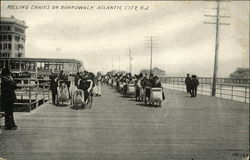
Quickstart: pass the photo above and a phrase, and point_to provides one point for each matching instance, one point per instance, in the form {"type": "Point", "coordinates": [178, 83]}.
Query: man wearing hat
{"type": "Point", "coordinates": [194, 85]}
{"type": "Point", "coordinates": [8, 97]}
{"type": "Point", "coordinates": [188, 83]}
{"type": "Point", "coordinates": [53, 86]}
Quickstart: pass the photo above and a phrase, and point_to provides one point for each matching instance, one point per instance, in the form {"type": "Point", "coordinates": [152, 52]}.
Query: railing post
{"type": "Point", "coordinates": [48, 91]}
{"type": "Point", "coordinates": [220, 90]}
{"type": "Point", "coordinates": [183, 86]}
{"type": "Point", "coordinates": [245, 94]}
{"type": "Point", "coordinates": [202, 88]}
{"type": "Point", "coordinates": [36, 97]}
{"type": "Point", "coordinates": [232, 93]}
{"type": "Point", "coordinates": [43, 94]}
{"type": "Point", "coordinates": [176, 84]}
{"type": "Point", "coordinates": [30, 98]}
{"type": "Point", "coordinates": [173, 83]}
{"type": "Point", "coordinates": [210, 88]}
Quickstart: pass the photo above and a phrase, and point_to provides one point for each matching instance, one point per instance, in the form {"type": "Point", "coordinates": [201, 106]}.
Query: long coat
{"type": "Point", "coordinates": [194, 83]}
{"type": "Point", "coordinates": [8, 94]}
{"type": "Point", "coordinates": [53, 84]}
{"type": "Point", "coordinates": [187, 80]}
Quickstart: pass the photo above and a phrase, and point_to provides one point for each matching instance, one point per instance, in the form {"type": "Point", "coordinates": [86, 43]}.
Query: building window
{"type": "Point", "coordinates": [5, 37]}
{"type": "Point", "coordinates": [4, 55]}
{"type": "Point", "coordinates": [27, 65]}
{"type": "Point", "coordinates": [14, 65]}
{"type": "Point", "coordinates": [46, 66]}
{"type": "Point", "coordinates": [5, 46]}
{"type": "Point", "coordinates": [17, 38]}
{"type": "Point", "coordinates": [52, 66]}
{"type": "Point", "coordinates": [19, 54]}
{"type": "Point", "coordinates": [4, 28]}
{"type": "Point", "coordinates": [0, 46]}
{"type": "Point", "coordinates": [30, 65]}
{"type": "Point", "coordinates": [59, 66]}
{"type": "Point", "coordinates": [20, 46]}
{"type": "Point", "coordinates": [23, 66]}
{"type": "Point", "coordinates": [23, 39]}
{"type": "Point", "coordinates": [9, 37]}
{"type": "Point", "coordinates": [40, 65]}
{"type": "Point", "coordinates": [9, 46]}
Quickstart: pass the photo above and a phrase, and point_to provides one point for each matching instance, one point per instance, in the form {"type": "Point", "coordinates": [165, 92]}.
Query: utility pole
{"type": "Point", "coordinates": [151, 53]}
{"type": "Point", "coordinates": [119, 64]}
{"type": "Point", "coordinates": [217, 37]}
{"type": "Point", "coordinates": [130, 61]}
{"type": "Point", "coordinates": [151, 44]}
{"type": "Point", "coordinates": [112, 64]}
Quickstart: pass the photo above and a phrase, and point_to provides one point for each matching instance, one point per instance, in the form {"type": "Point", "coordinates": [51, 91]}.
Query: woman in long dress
{"type": "Point", "coordinates": [99, 85]}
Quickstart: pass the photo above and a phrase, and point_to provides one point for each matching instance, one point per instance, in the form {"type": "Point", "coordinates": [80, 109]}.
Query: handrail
{"type": "Point", "coordinates": [33, 96]}
{"type": "Point", "coordinates": [235, 91]}
{"type": "Point", "coordinates": [33, 93]}
{"type": "Point", "coordinates": [206, 77]}
{"type": "Point", "coordinates": [210, 79]}
{"type": "Point", "coordinates": [32, 85]}
{"type": "Point", "coordinates": [30, 79]}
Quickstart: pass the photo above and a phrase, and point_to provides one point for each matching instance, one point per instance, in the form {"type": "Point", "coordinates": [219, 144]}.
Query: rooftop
{"type": "Point", "coordinates": [43, 59]}
{"type": "Point", "coordinates": [12, 19]}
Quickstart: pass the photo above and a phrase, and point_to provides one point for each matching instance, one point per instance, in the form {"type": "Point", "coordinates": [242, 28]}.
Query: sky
{"type": "Point", "coordinates": [101, 39]}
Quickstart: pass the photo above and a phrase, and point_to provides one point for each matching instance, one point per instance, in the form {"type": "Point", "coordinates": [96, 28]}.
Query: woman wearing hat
{"type": "Point", "coordinates": [8, 97]}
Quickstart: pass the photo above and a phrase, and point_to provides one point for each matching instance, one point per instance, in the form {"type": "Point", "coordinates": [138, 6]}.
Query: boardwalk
{"type": "Point", "coordinates": [118, 128]}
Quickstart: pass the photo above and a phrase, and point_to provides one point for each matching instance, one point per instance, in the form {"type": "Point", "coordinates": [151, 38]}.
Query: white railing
{"type": "Point", "coordinates": [233, 91]}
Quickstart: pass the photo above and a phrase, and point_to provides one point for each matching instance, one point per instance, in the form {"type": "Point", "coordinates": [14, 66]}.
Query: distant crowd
{"type": "Point", "coordinates": [140, 86]}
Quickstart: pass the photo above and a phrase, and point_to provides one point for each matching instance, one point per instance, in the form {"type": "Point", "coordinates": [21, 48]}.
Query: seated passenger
{"type": "Point", "coordinates": [86, 84]}
{"type": "Point", "coordinates": [156, 82]}
{"type": "Point", "coordinates": [148, 85]}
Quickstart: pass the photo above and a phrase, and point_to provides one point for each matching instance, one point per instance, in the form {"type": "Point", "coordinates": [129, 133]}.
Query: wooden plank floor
{"type": "Point", "coordinates": [118, 128]}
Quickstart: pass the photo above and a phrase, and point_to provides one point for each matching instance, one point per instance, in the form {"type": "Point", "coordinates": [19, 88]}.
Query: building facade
{"type": "Point", "coordinates": [12, 54]}
{"type": "Point", "coordinates": [40, 67]}
{"type": "Point", "coordinates": [12, 37]}
{"type": "Point", "coordinates": [241, 73]}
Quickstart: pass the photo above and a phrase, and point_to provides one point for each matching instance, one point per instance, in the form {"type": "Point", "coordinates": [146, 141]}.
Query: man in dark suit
{"type": "Point", "coordinates": [53, 86]}
{"type": "Point", "coordinates": [194, 85]}
{"type": "Point", "coordinates": [188, 83]}
{"type": "Point", "coordinates": [8, 98]}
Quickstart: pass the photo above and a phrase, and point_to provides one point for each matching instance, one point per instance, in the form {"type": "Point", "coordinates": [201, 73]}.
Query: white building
{"type": "Point", "coordinates": [12, 37]}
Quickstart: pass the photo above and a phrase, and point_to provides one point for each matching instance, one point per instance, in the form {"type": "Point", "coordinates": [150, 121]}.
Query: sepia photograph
{"type": "Point", "coordinates": [124, 80]}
